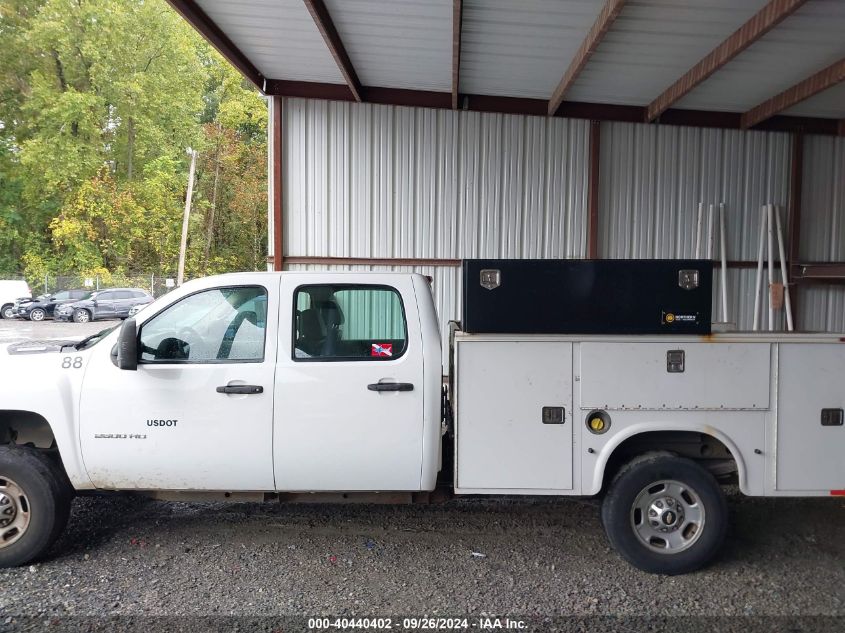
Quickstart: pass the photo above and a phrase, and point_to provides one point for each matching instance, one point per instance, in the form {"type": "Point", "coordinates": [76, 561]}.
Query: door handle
{"type": "Point", "coordinates": [391, 386]}
{"type": "Point", "coordinates": [240, 389]}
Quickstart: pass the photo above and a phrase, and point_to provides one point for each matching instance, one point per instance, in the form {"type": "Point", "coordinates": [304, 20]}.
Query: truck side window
{"type": "Point", "coordinates": [348, 322]}
{"type": "Point", "coordinates": [213, 326]}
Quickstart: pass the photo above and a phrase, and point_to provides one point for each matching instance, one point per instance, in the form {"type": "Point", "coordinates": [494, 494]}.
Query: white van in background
{"type": "Point", "coordinates": [10, 291]}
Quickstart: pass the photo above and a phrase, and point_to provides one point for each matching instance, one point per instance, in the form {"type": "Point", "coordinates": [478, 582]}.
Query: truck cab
{"type": "Point", "coordinates": [268, 382]}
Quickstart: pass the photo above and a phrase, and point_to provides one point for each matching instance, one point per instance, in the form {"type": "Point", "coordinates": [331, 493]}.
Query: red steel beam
{"type": "Point", "coordinates": [457, 17]}
{"type": "Point", "coordinates": [610, 11]}
{"type": "Point", "coordinates": [197, 18]}
{"type": "Point", "coordinates": [276, 166]}
{"type": "Point", "coordinates": [761, 23]}
{"type": "Point", "coordinates": [539, 107]}
{"type": "Point", "coordinates": [324, 23]}
{"type": "Point", "coordinates": [373, 261]}
{"type": "Point", "coordinates": [812, 85]}
{"type": "Point", "coordinates": [827, 270]}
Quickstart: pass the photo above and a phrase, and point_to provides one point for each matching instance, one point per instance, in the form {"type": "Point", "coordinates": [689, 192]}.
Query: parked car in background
{"type": "Point", "coordinates": [10, 291]}
{"type": "Point", "coordinates": [112, 303]}
{"type": "Point", "coordinates": [45, 306]}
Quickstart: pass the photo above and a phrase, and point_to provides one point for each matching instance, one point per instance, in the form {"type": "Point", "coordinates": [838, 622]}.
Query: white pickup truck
{"type": "Point", "coordinates": [264, 386]}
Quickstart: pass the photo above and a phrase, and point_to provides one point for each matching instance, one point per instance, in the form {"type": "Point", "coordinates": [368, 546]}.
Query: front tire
{"type": "Point", "coordinates": [81, 315]}
{"type": "Point", "coordinates": [34, 505]}
{"type": "Point", "coordinates": [37, 315]}
{"type": "Point", "coordinates": [6, 311]}
{"type": "Point", "coordinates": [665, 514]}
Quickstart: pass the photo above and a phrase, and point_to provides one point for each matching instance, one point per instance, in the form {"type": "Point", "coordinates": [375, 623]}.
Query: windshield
{"type": "Point", "coordinates": [92, 340]}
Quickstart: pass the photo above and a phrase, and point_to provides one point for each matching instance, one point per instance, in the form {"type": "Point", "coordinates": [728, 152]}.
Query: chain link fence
{"type": "Point", "coordinates": [156, 284]}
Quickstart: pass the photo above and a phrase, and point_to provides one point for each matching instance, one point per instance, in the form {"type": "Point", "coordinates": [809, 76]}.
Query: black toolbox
{"type": "Point", "coordinates": [597, 296]}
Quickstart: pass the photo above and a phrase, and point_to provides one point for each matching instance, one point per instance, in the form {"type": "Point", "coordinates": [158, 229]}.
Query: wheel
{"type": "Point", "coordinates": [37, 314]}
{"type": "Point", "coordinates": [665, 514]}
{"type": "Point", "coordinates": [6, 311]}
{"type": "Point", "coordinates": [34, 505]}
{"type": "Point", "coordinates": [81, 315]}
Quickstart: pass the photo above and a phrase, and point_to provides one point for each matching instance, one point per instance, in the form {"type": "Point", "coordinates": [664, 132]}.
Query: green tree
{"type": "Point", "coordinates": [99, 100]}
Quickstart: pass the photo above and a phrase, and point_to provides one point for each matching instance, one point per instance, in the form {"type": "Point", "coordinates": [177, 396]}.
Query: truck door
{"type": "Point", "coordinates": [349, 387]}
{"type": "Point", "coordinates": [197, 413]}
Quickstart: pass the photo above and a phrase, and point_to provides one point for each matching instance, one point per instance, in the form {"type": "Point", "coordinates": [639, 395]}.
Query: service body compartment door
{"type": "Point", "coordinates": [514, 416]}
{"type": "Point", "coordinates": [810, 453]}
{"type": "Point", "coordinates": [711, 376]}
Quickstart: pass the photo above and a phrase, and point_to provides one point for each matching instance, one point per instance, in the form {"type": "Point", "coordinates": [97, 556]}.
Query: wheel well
{"type": "Point", "coordinates": [705, 449]}
{"type": "Point", "coordinates": [25, 428]}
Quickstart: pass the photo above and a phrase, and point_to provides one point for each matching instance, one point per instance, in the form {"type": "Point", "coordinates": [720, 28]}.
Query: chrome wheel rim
{"type": "Point", "coordinates": [37, 315]}
{"type": "Point", "coordinates": [7, 313]}
{"type": "Point", "coordinates": [14, 512]}
{"type": "Point", "coordinates": [82, 316]}
{"type": "Point", "coordinates": [668, 516]}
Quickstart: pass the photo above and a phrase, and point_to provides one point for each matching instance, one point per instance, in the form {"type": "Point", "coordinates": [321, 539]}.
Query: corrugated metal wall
{"type": "Point", "coordinates": [386, 181]}
{"type": "Point", "coordinates": [823, 228]}
{"type": "Point", "coordinates": [395, 182]}
{"type": "Point", "coordinates": [653, 178]}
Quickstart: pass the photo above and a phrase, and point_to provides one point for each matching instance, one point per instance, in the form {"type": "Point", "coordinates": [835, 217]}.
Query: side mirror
{"type": "Point", "coordinates": [127, 346]}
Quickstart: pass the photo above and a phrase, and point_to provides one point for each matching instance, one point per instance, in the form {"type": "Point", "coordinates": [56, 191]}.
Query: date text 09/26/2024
{"type": "Point", "coordinates": [483, 623]}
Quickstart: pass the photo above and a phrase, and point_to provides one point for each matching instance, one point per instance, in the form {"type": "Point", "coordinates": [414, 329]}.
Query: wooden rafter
{"type": "Point", "coordinates": [602, 25]}
{"type": "Point", "coordinates": [761, 23]}
{"type": "Point", "coordinates": [323, 20]}
{"type": "Point", "coordinates": [812, 85]}
{"type": "Point", "coordinates": [457, 17]}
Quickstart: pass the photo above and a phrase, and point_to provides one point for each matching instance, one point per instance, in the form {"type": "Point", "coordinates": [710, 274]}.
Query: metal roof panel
{"type": "Point", "coordinates": [278, 36]}
{"type": "Point", "coordinates": [806, 42]}
{"type": "Point", "coordinates": [521, 49]}
{"type": "Point", "coordinates": [397, 44]}
{"type": "Point", "coordinates": [653, 43]}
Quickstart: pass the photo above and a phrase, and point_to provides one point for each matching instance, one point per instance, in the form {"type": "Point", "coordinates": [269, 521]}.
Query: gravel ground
{"type": "Point", "coordinates": [126, 555]}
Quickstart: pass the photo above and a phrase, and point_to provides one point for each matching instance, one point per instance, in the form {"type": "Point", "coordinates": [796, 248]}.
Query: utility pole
{"type": "Point", "coordinates": [180, 275]}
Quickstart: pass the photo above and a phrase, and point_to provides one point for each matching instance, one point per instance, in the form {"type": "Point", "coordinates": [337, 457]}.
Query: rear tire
{"type": "Point", "coordinates": [34, 505]}
{"type": "Point", "coordinates": [37, 314]}
{"type": "Point", "coordinates": [665, 514]}
{"type": "Point", "coordinates": [80, 315]}
{"type": "Point", "coordinates": [6, 311]}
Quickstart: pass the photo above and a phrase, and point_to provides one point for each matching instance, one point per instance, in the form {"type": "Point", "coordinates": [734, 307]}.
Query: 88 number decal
{"type": "Point", "coordinates": [69, 362]}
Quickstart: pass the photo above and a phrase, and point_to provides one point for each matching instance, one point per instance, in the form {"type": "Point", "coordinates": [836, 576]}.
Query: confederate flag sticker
{"type": "Point", "coordinates": [381, 349]}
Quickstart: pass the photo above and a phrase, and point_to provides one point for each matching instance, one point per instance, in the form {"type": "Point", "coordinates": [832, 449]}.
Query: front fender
{"type": "Point", "coordinates": [48, 384]}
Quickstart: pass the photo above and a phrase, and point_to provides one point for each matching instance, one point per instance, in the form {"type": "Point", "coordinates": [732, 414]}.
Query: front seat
{"type": "Point", "coordinates": [333, 319]}
{"type": "Point", "coordinates": [310, 335]}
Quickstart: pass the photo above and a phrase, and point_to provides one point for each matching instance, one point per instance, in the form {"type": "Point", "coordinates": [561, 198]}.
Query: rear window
{"type": "Point", "coordinates": [345, 322]}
